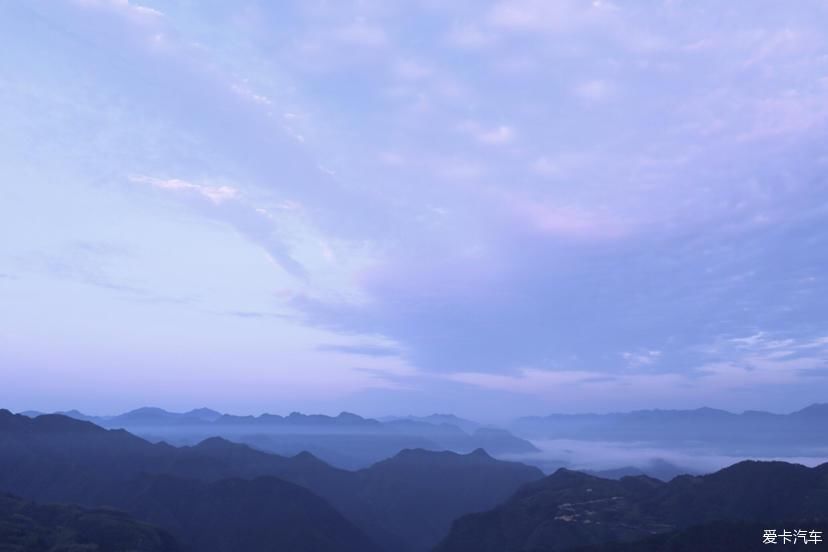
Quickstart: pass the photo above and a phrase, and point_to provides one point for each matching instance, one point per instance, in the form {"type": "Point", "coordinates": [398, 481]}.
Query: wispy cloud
{"type": "Point", "coordinates": [736, 365]}
{"type": "Point", "coordinates": [637, 359]}
{"type": "Point", "coordinates": [594, 90]}
{"type": "Point", "coordinates": [215, 194]}
{"type": "Point", "coordinates": [226, 204]}
{"type": "Point", "coordinates": [366, 350]}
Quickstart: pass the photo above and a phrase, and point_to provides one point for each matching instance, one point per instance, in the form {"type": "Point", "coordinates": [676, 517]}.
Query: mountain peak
{"type": "Point", "coordinates": [203, 410]}
{"type": "Point", "coordinates": [307, 458]}
{"type": "Point", "coordinates": [146, 411]}
{"type": "Point", "coordinates": [217, 443]}
{"type": "Point", "coordinates": [59, 422]}
{"type": "Point", "coordinates": [480, 453]}
{"type": "Point", "coordinates": [816, 409]}
{"type": "Point", "coordinates": [204, 413]}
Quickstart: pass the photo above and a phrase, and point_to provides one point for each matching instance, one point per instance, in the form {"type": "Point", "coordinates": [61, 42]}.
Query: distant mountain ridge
{"type": "Point", "coordinates": [753, 429]}
{"type": "Point", "coordinates": [346, 440]}
{"type": "Point", "coordinates": [656, 468]}
{"type": "Point", "coordinates": [437, 419]}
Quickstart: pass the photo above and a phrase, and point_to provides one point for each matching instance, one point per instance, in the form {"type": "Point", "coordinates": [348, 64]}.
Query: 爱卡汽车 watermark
{"type": "Point", "coordinates": [791, 536]}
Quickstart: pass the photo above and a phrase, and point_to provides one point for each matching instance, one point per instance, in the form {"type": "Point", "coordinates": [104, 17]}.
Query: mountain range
{"type": "Point", "coordinates": [750, 433]}
{"type": "Point", "coordinates": [346, 440]}
{"type": "Point", "coordinates": [87, 488]}
{"type": "Point", "coordinates": [405, 503]}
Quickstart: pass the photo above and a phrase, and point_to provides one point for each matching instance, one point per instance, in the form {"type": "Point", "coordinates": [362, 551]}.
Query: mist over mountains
{"type": "Point", "coordinates": [657, 443]}
{"type": "Point", "coordinates": [406, 502]}
{"type": "Point", "coordinates": [758, 429]}
{"type": "Point", "coordinates": [218, 495]}
{"type": "Point", "coordinates": [347, 440]}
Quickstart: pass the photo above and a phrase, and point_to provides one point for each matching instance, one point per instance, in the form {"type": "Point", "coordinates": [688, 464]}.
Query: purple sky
{"type": "Point", "coordinates": [492, 208]}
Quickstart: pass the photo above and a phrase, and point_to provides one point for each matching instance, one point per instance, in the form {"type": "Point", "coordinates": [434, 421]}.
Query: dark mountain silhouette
{"type": "Point", "coordinates": [57, 458]}
{"type": "Point", "coordinates": [228, 515]}
{"type": "Point", "coordinates": [405, 503]}
{"type": "Point", "coordinates": [752, 432]}
{"type": "Point", "coordinates": [30, 527]}
{"type": "Point", "coordinates": [569, 509]}
{"type": "Point", "coordinates": [434, 488]}
{"type": "Point", "coordinates": [346, 440]}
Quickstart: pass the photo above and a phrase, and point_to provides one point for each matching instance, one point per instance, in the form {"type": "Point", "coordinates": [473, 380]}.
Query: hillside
{"type": "Point", "coordinates": [29, 527]}
{"type": "Point", "coordinates": [569, 509]}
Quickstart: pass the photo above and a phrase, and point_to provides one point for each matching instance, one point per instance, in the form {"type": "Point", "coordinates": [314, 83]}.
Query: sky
{"type": "Point", "coordinates": [493, 208]}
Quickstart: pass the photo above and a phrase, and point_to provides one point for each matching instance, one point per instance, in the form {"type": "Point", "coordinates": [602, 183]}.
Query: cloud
{"type": "Point", "coordinates": [470, 37]}
{"type": "Point", "coordinates": [498, 135]}
{"type": "Point", "coordinates": [529, 299]}
{"type": "Point", "coordinates": [594, 90]}
{"type": "Point", "coordinates": [494, 136]}
{"type": "Point", "coordinates": [755, 366]}
{"type": "Point", "coordinates": [638, 359]}
{"type": "Point", "coordinates": [225, 203]}
{"type": "Point", "coordinates": [362, 33]}
{"type": "Point", "coordinates": [545, 16]}
{"type": "Point", "coordinates": [557, 384]}
{"type": "Point", "coordinates": [132, 10]}
{"type": "Point", "coordinates": [585, 227]}
{"type": "Point", "coordinates": [605, 182]}
{"type": "Point", "coordinates": [216, 194]}
{"type": "Point", "coordinates": [366, 350]}
{"type": "Point", "coordinates": [409, 69]}
{"type": "Point", "coordinates": [91, 264]}
{"type": "Point", "coordinates": [256, 315]}
{"type": "Point", "coordinates": [566, 221]}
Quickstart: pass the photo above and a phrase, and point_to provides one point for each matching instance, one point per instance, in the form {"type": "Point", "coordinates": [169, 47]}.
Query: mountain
{"type": "Point", "coordinates": [60, 459]}
{"type": "Point", "coordinates": [349, 450]}
{"type": "Point", "coordinates": [818, 411]}
{"type": "Point", "coordinates": [204, 414]}
{"type": "Point", "coordinates": [752, 433]}
{"type": "Point", "coordinates": [656, 468]}
{"type": "Point", "coordinates": [153, 416]}
{"type": "Point", "coordinates": [345, 440]}
{"type": "Point", "coordinates": [434, 488]}
{"type": "Point", "coordinates": [500, 441]}
{"type": "Point", "coordinates": [26, 526]}
{"type": "Point", "coordinates": [438, 419]}
{"type": "Point", "coordinates": [569, 509]}
{"type": "Point", "coordinates": [405, 503]}
{"type": "Point", "coordinates": [228, 515]}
